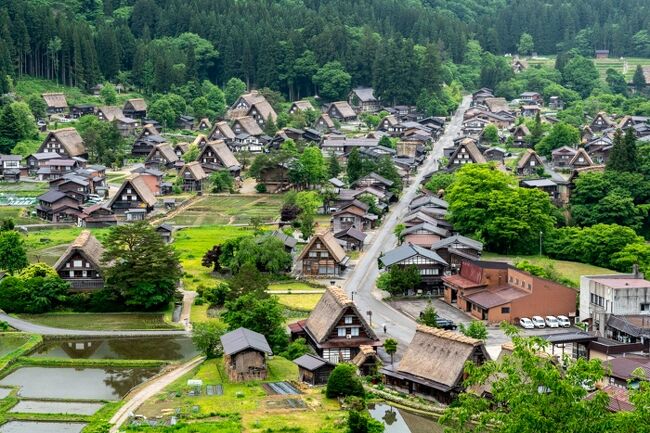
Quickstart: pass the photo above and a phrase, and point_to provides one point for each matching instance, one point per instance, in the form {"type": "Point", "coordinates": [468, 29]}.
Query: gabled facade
{"type": "Point", "coordinates": [324, 123]}
{"type": "Point", "coordinates": [65, 142]}
{"type": "Point", "coordinates": [466, 153]}
{"type": "Point", "coordinates": [430, 265]}
{"type": "Point", "coordinates": [362, 99]}
{"type": "Point", "coordinates": [148, 138]}
{"type": "Point", "coordinates": [222, 131]}
{"type": "Point", "coordinates": [161, 156]}
{"type": "Point", "coordinates": [80, 264]}
{"type": "Point", "coordinates": [322, 257]}
{"type": "Point", "coordinates": [56, 206]}
{"type": "Point", "coordinates": [135, 108]}
{"type": "Point", "coordinates": [245, 354]}
{"type": "Point", "coordinates": [193, 177]}
{"type": "Point", "coordinates": [341, 111]}
{"type": "Point", "coordinates": [302, 105]}
{"type": "Point", "coordinates": [204, 124]}
{"type": "Point", "coordinates": [216, 155]}
{"type": "Point", "coordinates": [55, 102]}
{"type": "Point", "coordinates": [457, 248]}
{"type": "Point", "coordinates": [335, 328]}
{"type": "Point", "coordinates": [562, 157]}
{"type": "Point", "coordinates": [134, 193]}
{"type": "Point", "coordinates": [601, 122]}
{"type": "Point", "coordinates": [520, 135]}
{"type": "Point", "coordinates": [247, 125]}
{"type": "Point", "coordinates": [529, 164]}
{"type": "Point", "coordinates": [580, 160]}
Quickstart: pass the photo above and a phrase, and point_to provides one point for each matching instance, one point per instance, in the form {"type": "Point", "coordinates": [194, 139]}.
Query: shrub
{"type": "Point", "coordinates": [261, 188]}
{"type": "Point", "coordinates": [344, 382]}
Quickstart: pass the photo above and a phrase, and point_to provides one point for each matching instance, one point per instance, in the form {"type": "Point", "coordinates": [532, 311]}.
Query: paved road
{"type": "Point", "coordinates": [362, 278]}
{"type": "Point", "coordinates": [33, 328]}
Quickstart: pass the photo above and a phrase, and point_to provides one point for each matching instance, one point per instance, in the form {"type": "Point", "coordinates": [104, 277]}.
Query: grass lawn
{"type": "Point", "coordinates": [100, 321]}
{"type": "Point", "coordinates": [24, 189]}
{"type": "Point", "coordinates": [20, 215]}
{"type": "Point", "coordinates": [199, 313]}
{"type": "Point", "coordinates": [259, 412]}
{"type": "Point", "coordinates": [300, 302]}
{"type": "Point", "coordinates": [36, 86]}
{"type": "Point", "coordinates": [294, 285]}
{"type": "Point", "coordinates": [570, 270]}
{"type": "Point", "coordinates": [230, 209]}
{"type": "Point", "coordinates": [601, 64]}
{"type": "Point", "coordinates": [193, 242]}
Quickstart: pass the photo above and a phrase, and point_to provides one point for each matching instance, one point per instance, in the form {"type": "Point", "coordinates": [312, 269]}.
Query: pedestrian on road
{"type": "Point", "coordinates": [384, 329]}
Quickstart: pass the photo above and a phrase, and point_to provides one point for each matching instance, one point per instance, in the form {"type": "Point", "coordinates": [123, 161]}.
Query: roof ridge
{"type": "Point", "coordinates": [82, 239]}
{"type": "Point", "coordinates": [448, 335]}
{"type": "Point", "coordinates": [340, 296]}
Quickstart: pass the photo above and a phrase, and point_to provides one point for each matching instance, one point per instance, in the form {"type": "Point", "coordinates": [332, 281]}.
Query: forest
{"type": "Point", "coordinates": [156, 45]}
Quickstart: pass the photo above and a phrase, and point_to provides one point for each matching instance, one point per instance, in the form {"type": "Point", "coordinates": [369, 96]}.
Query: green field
{"type": "Point", "coordinates": [99, 321]}
{"type": "Point", "coordinates": [24, 189]}
{"type": "Point", "coordinates": [20, 215]}
{"type": "Point", "coordinates": [256, 411]}
{"type": "Point", "coordinates": [566, 269]}
{"type": "Point", "coordinates": [229, 210]}
{"type": "Point", "coordinates": [300, 302]}
{"type": "Point", "coordinates": [602, 64]}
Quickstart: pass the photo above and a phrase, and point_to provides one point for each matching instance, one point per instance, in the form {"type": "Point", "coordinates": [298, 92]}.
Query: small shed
{"type": "Point", "coordinates": [165, 231]}
{"type": "Point", "coordinates": [245, 355]}
{"type": "Point", "coordinates": [313, 369]}
{"type": "Point", "coordinates": [367, 361]}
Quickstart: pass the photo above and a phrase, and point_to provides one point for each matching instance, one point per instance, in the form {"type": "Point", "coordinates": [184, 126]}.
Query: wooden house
{"type": "Point", "coordinates": [148, 138]}
{"type": "Point", "coordinates": [322, 257]}
{"type": "Point", "coordinates": [56, 206]}
{"type": "Point", "coordinates": [335, 328]}
{"type": "Point", "coordinates": [289, 242]}
{"type": "Point", "coordinates": [341, 111]}
{"type": "Point", "coordinates": [302, 105]}
{"type": "Point", "coordinates": [216, 155]}
{"type": "Point", "coordinates": [166, 231]}
{"type": "Point", "coordinates": [65, 142]}
{"type": "Point", "coordinates": [581, 159]}
{"type": "Point", "coordinates": [275, 178]}
{"type": "Point", "coordinates": [424, 234]}
{"type": "Point", "coordinates": [161, 157]}
{"type": "Point", "coordinates": [134, 193]}
{"type": "Point", "coordinates": [126, 125]}
{"type": "Point", "coordinates": [135, 108]}
{"type": "Point", "coordinates": [38, 160]}
{"type": "Point", "coordinates": [457, 248]}
{"type": "Point", "coordinates": [253, 105]}
{"type": "Point", "coordinates": [97, 215]}
{"type": "Point", "coordinates": [374, 180]}
{"type": "Point", "coordinates": [247, 125]}
{"type": "Point", "coordinates": [602, 54]}
{"type": "Point", "coordinates": [324, 123]}
{"type": "Point", "coordinates": [79, 110]}
{"type": "Point", "coordinates": [222, 131]}
{"type": "Point", "coordinates": [520, 134]}
{"type": "Point", "coordinates": [529, 163]}
{"type": "Point", "coordinates": [495, 153]}
{"type": "Point", "coordinates": [194, 177]}
{"type": "Point", "coordinates": [367, 361]}
{"type": "Point", "coordinates": [180, 149]}
{"type": "Point", "coordinates": [185, 122]}
{"type": "Point", "coordinates": [562, 156]}
{"type": "Point", "coordinates": [530, 110]}
{"type": "Point", "coordinates": [55, 103]}
{"type": "Point", "coordinates": [10, 168]}
{"type": "Point", "coordinates": [362, 100]}
{"type": "Point", "coordinates": [601, 122]}
{"type": "Point", "coordinates": [244, 355]}
{"type": "Point", "coordinates": [80, 264]}
{"type": "Point", "coordinates": [474, 126]}
{"type": "Point", "coordinates": [353, 214]}
{"type": "Point", "coordinates": [430, 265]}
{"type": "Point", "coordinates": [532, 98]}
{"type": "Point", "coordinates": [351, 239]}
{"type": "Point", "coordinates": [204, 124]}
{"type": "Point", "coordinates": [466, 153]}
{"type": "Point", "coordinates": [313, 369]}
{"type": "Point", "coordinates": [76, 187]}
{"type": "Point", "coordinates": [434, 364]}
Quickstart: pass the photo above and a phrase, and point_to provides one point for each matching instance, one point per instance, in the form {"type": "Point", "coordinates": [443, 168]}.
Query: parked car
{"type": "Point", "coordinates": [552, 322]}
{"type": "Point", "coordinates": [446, 324]}
{"type": "Point", "coordinates": [564, 321]}
{"type": "Point", "coordinates": [538, 322]}
{"type": "Point", "coordinates": [526, 323]}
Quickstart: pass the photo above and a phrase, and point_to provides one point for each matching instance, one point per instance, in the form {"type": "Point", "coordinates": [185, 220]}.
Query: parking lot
{"type": "Point", "coordinates": [496, 337]}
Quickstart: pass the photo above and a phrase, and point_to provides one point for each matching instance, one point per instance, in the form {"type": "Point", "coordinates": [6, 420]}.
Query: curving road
{"type": "Point", "coordinates": [362, 278]}
{"type": "Point", "coordinates": [25, 326]}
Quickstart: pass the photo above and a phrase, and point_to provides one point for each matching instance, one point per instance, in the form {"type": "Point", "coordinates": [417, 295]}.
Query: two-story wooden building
{"type": "Point", "coordinates": [322, 257]}
{"type": "Point", "coordinates": [245, 353]}
{"type": "Point", "coordinates": [65, 142]}
{"type": "Point", "coordinates": [56, 206]}
{"type": "Point", "coordinates": [429, 264]}
{"type": "Point", "coordinates": [194, 177]}
{"type": "Point", "coordinates": [335, 328]}
{"type": "Point", "coordinates": [529, 164]}
{"type": "Point", "coordinates": [341, 111]}
{"type": "Point", "coordinates": [162, 157]}
{"type": "Point", "coordinates": [362, 99]}
{"type": "Point", "coordinates": [216, 155]}
{"type": "Point", "coordinates": [134, 193]}
{"type": "Point", "coordinates": [80, 265]}
{"type": "Point", "coordinates": [148, 138]}
{"type": "Point", "coordinates": [55, 103]}
{"type": "Point", "coordinates": [302, 105]}
{"type": "Point", "coordinates": [135, 108]}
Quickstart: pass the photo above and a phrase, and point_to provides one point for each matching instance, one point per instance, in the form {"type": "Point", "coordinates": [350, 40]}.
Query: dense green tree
{"type": "Point", "coordinates": [139, 266]}
{"type": "Point", "coordinates": [16, 123]}
{"type": "Point", "coordinates": [616, 81]}
{"type": "Point", "coordinates": [37, 105]}
{"type": "Point", "coordinates": [333, 166]}
{"type": "Point", "coordinates": [624, 154]}
{"type": "Point", "coordinates": [103, 140]}
{"type": "Point", "coordinates": [108, 94]}
{"type": "Point", "coordinates": [429, 316]}
{"type": "Point", "coordinates": [233, 90]}
{"type": "Point", "coordinates": [390, 346]}
{"type": "Point", "coordinates": [354, 166]}
{"type": "Point", "coordinates": [399, 280]}
{"type": "Point", "coordinates": [221, 181]}
{"type": "Point", "coordinates": [638, 79]}
{"type": "Point", "coordinates": [537, 130]}
{"type": "Point", "coordinates": [333, 81]}
{"type": "Point", "coordinates": [296, 349]}
{"type": "Point", "coordinates": [490, 134]}
{"type": "Point", "coordinates": [13, 256]}
{"type": "Point", "coordinates": [344, 382]}
{"type": "Point", "coordinates": [561, 134]}
{"type": "Point", "coordinates": [206, 336]}
{"type": "Point", "coordinates": [633, 254]}
{"type": "Point", "coordinates": [263, 315]}
{"type": "Point", "coordinates": [526, 45]}
{"type": "Point", "coordinates": [476, 329]}
{"type": "Point", "coordinates": [580, 74]}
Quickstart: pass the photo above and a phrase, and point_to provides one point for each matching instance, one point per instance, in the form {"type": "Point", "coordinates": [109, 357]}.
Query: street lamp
{"type": "Point", "coordinates": [541, 234]}
{"type": "Point", "coordinates": [369, 313]}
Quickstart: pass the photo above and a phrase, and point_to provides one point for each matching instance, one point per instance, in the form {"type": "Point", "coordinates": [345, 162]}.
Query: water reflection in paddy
{"type": "Point", "coordinates": [76, 383]}
{"type": "Point", "coordinates": [41, 427]}
{"type": "Point", "coordinates": [65, 407]}
{"type": "Point", "coordinates": [162, 348]}
{"type": "Point", "coordinates": [400, 421]}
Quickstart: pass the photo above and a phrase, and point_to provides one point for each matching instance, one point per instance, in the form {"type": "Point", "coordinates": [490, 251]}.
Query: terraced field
{"type": "Point", "coordinates": [230, 210]}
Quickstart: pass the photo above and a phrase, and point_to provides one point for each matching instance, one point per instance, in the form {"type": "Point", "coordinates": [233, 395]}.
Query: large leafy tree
{"type": "Point", "coordinates": [562, 134]}
{"type": "Point", "coordinates": [580, 74]}
{"type": "Point", "coordinates": [13, 256]}
{"type": "Point", "coordinates": [139, 266]}
{"type": "Point", "coordinates": [333, 81]}
{"type": "Point", "coordinates": [207, 337]}
{"type": "Point", "coordinates": [263, 315]}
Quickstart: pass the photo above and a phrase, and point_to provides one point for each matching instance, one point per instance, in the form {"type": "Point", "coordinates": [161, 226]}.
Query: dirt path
{"type": "Point", "coordinates": [149, 390]}
{"type": "Point", "coordinates": [188, 301]}
{"type": "Point", "coordinates": [190, 202]}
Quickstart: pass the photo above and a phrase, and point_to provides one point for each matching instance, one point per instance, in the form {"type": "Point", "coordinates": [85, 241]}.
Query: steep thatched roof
{"type": "Point", "coordinates": [249, 125]}
{"type": "Point", "coordinates": [471, 148]}
{"type": "Point", "coordinates": [141, 188]}
{"type": "Point", "coordinates": [55, 100]}
{"type": "Point", "coordinates": [581, 152]}
{"type": "Point", "coordinates": [438, 355]}
{"type": "Point", "coordinates": [137, 104]}
{"type": "Point", "coordinates": [302, 105]}
{"type": "Point", "coordinates": [166, 151]}
{"type": "Point", "coordinates": [328, 312]}
{"type": "Point", "coordinates": [221, 151]}
{"type": "Point", "coordinates": [344, 109]}
{"type": "Point", "coordinates": [365, 352]}
{"type": "Point", "coordinates": [224, 129]}
{"type": "Point", "coordinates": [527, 156]}
{"type": "Point", "coordinates": [195, 170]}
{"type": "Point", "coordinates": [327, 120]}
{"type": "Point", "coordinates": [69, 139]}
{"type": "Point", "coordinates": [329, 242]}
{"type": "Point", "coordinates": [85, 244]}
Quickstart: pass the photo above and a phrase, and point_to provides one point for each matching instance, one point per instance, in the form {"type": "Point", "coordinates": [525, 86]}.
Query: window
{"type": "Point", "coordinates": [324, 254]}
{"type": "Point", "coordinates": [354, 332]}
{"type": "Point", "coordinates": [505, 310]}
{"type": "Point", "coordinates": [71, 273]}
{"type": "Point", "coordinates": [341, 332]}
{"type": "Point", "coordinates": [348, 320]}
{"type": "Point", "coordinates": [78, 264]}
{"type": "Point", "coordinates": [645, 307]}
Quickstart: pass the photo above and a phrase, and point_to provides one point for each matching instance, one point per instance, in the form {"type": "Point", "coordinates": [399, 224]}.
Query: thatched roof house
{"type": "Point", "coordinates": [56, 102]}
{"type": "Point", "coordinates": [336, 329]}
{"type": "Point", "coordinates": [80, 264]}
{"type": "Point", "coordinates": [434, 363]}
{"type": "Point", "coordinates": [66, 142]}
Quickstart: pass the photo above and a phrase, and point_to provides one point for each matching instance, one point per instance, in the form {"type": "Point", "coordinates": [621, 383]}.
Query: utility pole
{"type": "Point", "coordinates": [541, 234]}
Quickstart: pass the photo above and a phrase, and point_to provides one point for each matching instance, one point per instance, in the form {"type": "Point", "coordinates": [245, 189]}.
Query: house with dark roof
{"type": "Point", "coordinates": [313, 369]}
{"type": "Point", "coordinates": [135, 108]}
{"type": "Point", "coordinates": [289, 241]}
{"type": "Point", "coordinates": [429, 264]}
{"type": "Point", "coordinates": [56, 206]}
{"type": "Point", "coordinates": [148, 138]}
{"type": "Point", "coordinates": [495, 153]}
{"type": "Point", "coordinates": [322, 257]}
{"type": "Point", "coordinates": [362, 99]}
{"type": "Point", "coordinates": [520, 134]}
{"type": "Point", "coordinates": [244, 355]}
{"type": "Point", "coordinates": [134, 193]}
{"type": "Point", "coordinates": [97, 215]}
{"type": "Point", "coordinates": [351, 239]}
{"type": "Point", "coordinates": [601, 122]}
{"type": "Point", "coordinates": [298, 106]}
{"type": "Point", "coordinates": [497, 291]}
{"type": "Point", "coordinates": [433, 366]}
{"type": "Point", "coordinates": [341, 111]}
{"type": "Point", "coordinates": [353, 214]}
{"type": "Point", "coordinates": [426, 200]}
{"type": "Point", "coordinates": [217, 156]}
{"type": "Point", "coordinates": [529, 163]}
{"type": "Point", "coordinates": [38, 160]}
{"type": "Point", "coordinates": [55, 103]}
{"type": "Point", "coordinates": [335, 328]}
{"type": "Point", "coordinates": [65, 142]}
{"type": "Point", "coordinates": [474, 126]}
{"type": "Point", "coordinates": [161, 157]}
{"type": "Point", "coordinates": [457, 248]}
{"type": "Point", "coordinates": [424, 234]}
{"type": "Point", "coordinates": [80, 265]}
{"type": "Point", "coordinates": [374, 180]}
{"type": "Point", "coordinates": [166, 232]}
{"type": "Point", "coordinates": [561, 157]}
{"type": "Point", "coordinates": [126, 125]}
{"type": "Point", "coordinates": [194, 177]}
